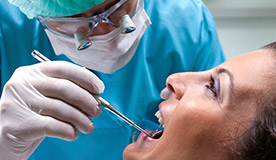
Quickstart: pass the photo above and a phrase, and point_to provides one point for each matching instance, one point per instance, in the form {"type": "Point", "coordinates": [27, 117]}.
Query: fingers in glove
{"type": "Point", "coordinates": [63, 112]}
{"type": "Point", "coordinates": [38, 127]}
{"type": "Point", "coordinates": [79, 75]}
{"type": "Point", "coordinates": [70, 93]}
{"type": "Point", "coordinates": [55, 128]}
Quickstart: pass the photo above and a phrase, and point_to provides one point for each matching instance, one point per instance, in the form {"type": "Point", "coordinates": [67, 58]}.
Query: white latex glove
{"type": "Point", "coordinates": [47, 99]}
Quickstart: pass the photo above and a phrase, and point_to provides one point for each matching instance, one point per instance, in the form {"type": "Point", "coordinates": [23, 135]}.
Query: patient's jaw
{"type": "Point", "coordinates": [206, 110]}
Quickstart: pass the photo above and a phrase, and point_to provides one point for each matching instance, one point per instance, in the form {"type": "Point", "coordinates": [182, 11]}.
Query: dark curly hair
{"type": "Point", "coordinates": [259, 142]}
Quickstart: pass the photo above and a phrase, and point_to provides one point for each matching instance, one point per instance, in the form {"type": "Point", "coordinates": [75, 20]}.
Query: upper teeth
{"type": "Point", "coordinates": [158, 115]}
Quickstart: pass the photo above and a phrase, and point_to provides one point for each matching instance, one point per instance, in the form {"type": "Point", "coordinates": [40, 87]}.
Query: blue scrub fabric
{"type": "Point", "coordinates": [181, 38]}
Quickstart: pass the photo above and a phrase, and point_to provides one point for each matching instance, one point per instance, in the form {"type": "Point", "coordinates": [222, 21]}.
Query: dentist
{"type": "Point", "coordinates": [131, 46]}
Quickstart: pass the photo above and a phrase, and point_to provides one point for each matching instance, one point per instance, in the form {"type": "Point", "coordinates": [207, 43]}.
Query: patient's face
{"type": "Point", "coordinates": [205, 110]}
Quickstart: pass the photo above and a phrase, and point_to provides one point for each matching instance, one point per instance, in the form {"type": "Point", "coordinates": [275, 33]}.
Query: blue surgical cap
{"type": "Point", "coordinates": [54, 8]}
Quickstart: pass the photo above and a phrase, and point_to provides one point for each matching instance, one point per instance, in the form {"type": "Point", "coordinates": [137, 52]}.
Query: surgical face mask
{"type": "Point", "coordinates": [109, 52]}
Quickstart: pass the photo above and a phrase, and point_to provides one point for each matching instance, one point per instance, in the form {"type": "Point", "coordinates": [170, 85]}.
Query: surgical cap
{"type": "Point", "coordinates": [54, 8]}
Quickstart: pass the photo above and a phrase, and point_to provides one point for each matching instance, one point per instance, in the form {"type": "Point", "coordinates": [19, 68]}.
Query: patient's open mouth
{"type": "Point", "coordinates": [157, 135]}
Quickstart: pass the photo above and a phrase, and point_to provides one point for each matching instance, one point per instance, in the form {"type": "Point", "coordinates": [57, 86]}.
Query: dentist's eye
{"type": "Point", "coordinates": [213, 86]}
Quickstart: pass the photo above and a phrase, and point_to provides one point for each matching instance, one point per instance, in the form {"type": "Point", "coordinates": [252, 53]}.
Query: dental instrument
{"type": "Point", "coordinates": [40, 57]}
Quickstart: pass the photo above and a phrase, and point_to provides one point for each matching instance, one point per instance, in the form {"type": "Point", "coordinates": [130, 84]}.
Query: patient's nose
{"type": "Point", "coordinates": [176, 84]}
{"type": "Point", "coordinates": [179, 83]}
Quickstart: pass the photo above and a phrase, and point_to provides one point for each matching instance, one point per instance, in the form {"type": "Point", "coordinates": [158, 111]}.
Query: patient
{"type": "Point", "coordinates": [228, 112]}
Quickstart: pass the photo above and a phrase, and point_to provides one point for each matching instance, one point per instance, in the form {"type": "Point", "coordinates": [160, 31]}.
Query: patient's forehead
{"type": "Point", "coordinates": [253, 72]}
{"type": "Point", "coordinates": [260, 61]}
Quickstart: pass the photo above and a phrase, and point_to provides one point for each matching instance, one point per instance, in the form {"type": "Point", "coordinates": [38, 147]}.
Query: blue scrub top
{"type": "Point", "coordinates": [182, 37]}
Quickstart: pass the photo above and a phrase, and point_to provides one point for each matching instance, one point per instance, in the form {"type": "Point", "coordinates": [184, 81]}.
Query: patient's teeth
{"type": "Point", "coordinates": [158, 115]}
{"type": "Point", "coordinates": [160, 120]}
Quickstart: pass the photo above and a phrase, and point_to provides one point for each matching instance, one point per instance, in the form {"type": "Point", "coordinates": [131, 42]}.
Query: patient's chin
{"type": "Point", "coordinates": [131, 152]}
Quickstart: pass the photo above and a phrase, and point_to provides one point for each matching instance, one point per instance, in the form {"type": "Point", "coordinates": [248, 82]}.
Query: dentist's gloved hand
{"type": "Point", "coordinates": [47, 99]}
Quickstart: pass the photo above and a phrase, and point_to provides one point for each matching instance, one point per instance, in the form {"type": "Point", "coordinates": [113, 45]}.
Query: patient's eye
{"type": "Point", "coordinates": [213, 86]}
